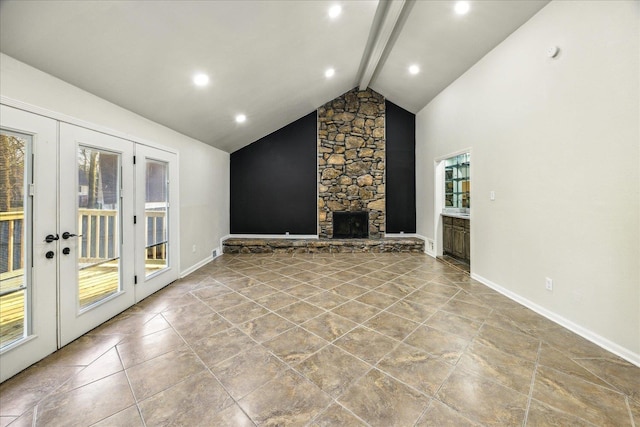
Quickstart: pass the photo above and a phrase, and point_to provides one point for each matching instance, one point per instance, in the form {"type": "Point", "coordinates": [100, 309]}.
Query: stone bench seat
{"type": "Point", "coordinates": [237, 245]}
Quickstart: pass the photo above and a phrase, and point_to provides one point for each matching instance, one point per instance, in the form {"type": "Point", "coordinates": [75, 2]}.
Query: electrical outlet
{"type": "Point", "coordinates": [548, 284]}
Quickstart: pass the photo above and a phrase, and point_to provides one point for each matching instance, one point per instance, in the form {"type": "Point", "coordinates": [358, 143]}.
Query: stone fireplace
{"type": "Point", "coordinates": [351, 160]}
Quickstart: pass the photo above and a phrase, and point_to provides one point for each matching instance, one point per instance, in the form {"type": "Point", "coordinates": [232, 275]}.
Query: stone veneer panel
{"type": "Point", "coordinates": [310, 246]}
{"type": "Point", "coordinates": [351, 159]}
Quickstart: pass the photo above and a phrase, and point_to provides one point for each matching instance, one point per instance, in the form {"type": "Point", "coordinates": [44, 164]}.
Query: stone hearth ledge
{"type": "Point", "coordinates": [237, 245]}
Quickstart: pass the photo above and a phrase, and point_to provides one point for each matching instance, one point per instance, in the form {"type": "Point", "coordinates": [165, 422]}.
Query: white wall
{"type": "Point", "coordinates": [558, 140]}
{"type": "Point", "coordinates": [204, 170]}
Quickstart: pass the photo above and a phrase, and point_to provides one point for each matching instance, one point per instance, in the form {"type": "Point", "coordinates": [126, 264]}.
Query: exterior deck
{"type": "Point", "coordinates": [95, 284]}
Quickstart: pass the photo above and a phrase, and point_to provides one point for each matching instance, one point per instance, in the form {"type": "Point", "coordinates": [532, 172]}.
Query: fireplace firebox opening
{"type": "Point", "coordinates": [351, 225]}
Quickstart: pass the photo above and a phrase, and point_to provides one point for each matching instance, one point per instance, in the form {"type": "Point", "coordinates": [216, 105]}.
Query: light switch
{"type": "Point", "coordinates": [492, 195]}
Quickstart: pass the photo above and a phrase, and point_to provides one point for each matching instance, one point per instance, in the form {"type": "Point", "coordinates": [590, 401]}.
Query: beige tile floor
{"type": "Point", "coordinates": [344, 340]}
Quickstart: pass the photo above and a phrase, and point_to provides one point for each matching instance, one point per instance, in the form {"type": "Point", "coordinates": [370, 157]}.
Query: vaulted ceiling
{"type": "Point", "coordinates": [265, 59]}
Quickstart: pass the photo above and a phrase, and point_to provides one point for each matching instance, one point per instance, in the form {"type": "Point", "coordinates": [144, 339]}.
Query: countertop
{"type": "Point", "coordinates": [456, 215]}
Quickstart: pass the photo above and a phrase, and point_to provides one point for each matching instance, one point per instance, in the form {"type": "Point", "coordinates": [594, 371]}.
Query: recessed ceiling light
{"type": "Point", "coordinates": [329, 73]}
{"type": "Point", "coordinates": [241, 118]}
{"type": "Point", "coordinates": [335, 11]}
{"type": "Point", "coordinates": [462, 7]}
{"type": "Point", "coordinates": [201, 79]}
{"type": "Point", "coordinates": [414, 69]}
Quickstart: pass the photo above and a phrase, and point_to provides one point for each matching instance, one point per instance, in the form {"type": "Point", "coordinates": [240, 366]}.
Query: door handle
{"type": "Point", "coordinates": [49, 255]}
{"type": "Point", "coordinates": [51, 238]}
{"type": "Point", "coordinates": [66, 235]}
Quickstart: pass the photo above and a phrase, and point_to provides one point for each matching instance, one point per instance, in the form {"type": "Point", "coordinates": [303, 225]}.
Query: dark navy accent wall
{"type": "Point", "coordinates": [401, 169]}
{"type": "Point", "coordinates": [274, 182]}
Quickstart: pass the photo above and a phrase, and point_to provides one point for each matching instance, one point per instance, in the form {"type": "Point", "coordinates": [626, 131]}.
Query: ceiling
{"type": "Point", "coordinates": [265, 59]}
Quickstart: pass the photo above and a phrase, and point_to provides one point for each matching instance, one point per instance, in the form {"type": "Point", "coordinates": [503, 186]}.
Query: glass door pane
{"type": "Point", "coordinates": [156, 211]}
{"type": "Point", "coordinates": [14, 216]}
{"type": "Point", "coordinates": [96, 229]}
{"type": "Point", "coordinates": [28, 249]}
{"type": "Point", "coordinates": [457, 183]}
{"type": "Point", "coordinates": [157, 240]}
{"type": "Point", "coordinates": [98, 222]}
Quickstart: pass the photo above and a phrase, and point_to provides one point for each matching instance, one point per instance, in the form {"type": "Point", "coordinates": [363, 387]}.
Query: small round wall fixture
{"type": "Point", "coordinates": [241, 118]}
{"type": "Point", "coordinates": [553, 51]}
{"type": "Point", "coordinates": [414, 69]}
{"type": "Point", "coordinates": [330, 72]}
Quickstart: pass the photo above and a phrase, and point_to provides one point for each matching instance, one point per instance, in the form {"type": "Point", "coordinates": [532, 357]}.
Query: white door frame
{"type": "Point", "coordinates": [75, 321]}
{"type": "Point", "coordinates": [24, 353]}
{"type": "Point", "coordinates": [438, 195]}
{"type": "Point", "coordinates": [41, 272]}
{"type": "Point", "coordinates": [145, 286]}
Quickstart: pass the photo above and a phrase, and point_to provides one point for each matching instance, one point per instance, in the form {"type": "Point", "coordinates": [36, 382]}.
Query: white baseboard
{"type": "Point", "coordinates": [196, 266]}
{"type": "Point", "coordinates": [392, 235]}
{"type": "Point", "coordinates": [599, 340]}
{"type": "Point", "coordinates": [222, 239]}
{"type": "Point", "coordinates": [270, 236]}
{"type": "Point", "coordinates": [429, 245]}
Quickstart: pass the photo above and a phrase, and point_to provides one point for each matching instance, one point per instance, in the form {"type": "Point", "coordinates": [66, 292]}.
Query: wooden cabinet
{"type": "Point", "coordinates": [447, 234]}
{"type": "Point", "coordinates": [456, 238]}
{"type": "Point", "coordinates": [467, 241]}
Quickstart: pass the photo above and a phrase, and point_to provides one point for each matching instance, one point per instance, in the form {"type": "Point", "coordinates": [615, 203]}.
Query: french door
{"type": "Point", "coordinates": [157, 254]}
{"type": "Point", "coordinates": [80, 225]}
{"type": "Point", "coordinates": [28, 249]}
{"type": "Point", "coordinates": [96, 229]}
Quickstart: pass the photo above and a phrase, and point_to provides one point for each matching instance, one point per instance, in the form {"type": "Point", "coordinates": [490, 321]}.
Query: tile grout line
{"type": "Point", "coordinates": [34, 415]}
{"type": "Point", "coordinates": [374, 366]}
{"type": "Point", "coordinates": [626, 399]}
{"type": "Point", "coordinates": [444, 274]}
{"type": "Point", "coordinates": [126, 374]}
{"type": "Point", "coordinates": [171, 386]}
{"type": "Point", "coordinates": [424, 411]}
{"type": "Point", "coordinates": [255, 268]}
{"type": "Point", "coordinates": [533, 381]}
{"type": "Point", "coordinates": [453, 368]}
{"type": "Point", "coordinates": [54, 390]}
{"type": "Point", "coordinates": [399, 342]}
{"type": "Point", "coordinates": [331, 311]}
{"type": "Point", "coordinates": [577, 360]}
{"type": "Point", "coordinates": [207, 368]}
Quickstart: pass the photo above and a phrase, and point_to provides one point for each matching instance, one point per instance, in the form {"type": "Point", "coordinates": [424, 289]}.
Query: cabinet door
{"type": "Point", "coordinates": [458, 242]}
{"type": "Point", "coordinates": [447, 238]}
{"type": "Point", "coordinates": [467, 245]}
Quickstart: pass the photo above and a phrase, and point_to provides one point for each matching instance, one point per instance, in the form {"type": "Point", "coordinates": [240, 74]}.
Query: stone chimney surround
{"type": "Point", "coordinates": [351, 160]}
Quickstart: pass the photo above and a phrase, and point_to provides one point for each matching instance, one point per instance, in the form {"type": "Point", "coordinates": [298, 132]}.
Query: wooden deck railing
{"type": "Point", "coordinates": [11, 275]}
{"type": "Point", "coordinates": [156, 234]}
{"type": "Point", "coordinates": [96, 243]}
{"type": "Point", "coordinates": [96, 227]}
{"type": "Point", "coordinates": [95, 246]}
{"type": "Point", "coordinates": [9, 222]}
